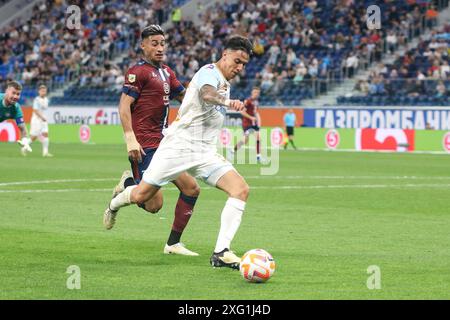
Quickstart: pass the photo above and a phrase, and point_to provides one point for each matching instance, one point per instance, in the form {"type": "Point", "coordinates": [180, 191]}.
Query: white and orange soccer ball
{"type": "Point", "coordinates": [257, 265]}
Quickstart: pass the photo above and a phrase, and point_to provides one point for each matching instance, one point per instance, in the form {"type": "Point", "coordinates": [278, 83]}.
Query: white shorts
{"type": "Point", "coordinates": [167, 165]}
{"type": "Point", "coordinates": [38, 127]}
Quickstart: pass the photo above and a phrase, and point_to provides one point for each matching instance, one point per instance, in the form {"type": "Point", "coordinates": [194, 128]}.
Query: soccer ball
{"type": "Point", "coordinates": [257, 265]}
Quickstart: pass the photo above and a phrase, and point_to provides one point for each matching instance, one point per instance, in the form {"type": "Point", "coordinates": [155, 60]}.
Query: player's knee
{"type": "Point", "coordinates": [191, 190]}
{"type": "Point", "coordinates": [153, 208]}
{"type": "Point", "coordinates": [140, 197]}
{"type": "Point", "coordinates": [241, 192]}
{"type": "Point", "coordinates": [194, 191]}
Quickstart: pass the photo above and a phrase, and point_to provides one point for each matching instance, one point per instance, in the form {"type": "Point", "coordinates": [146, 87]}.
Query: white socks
{"type": "Point", "coordinates": [122, 199]}
{"type": "Point", "coordinates": [229, 223]}
{"type": "Point", "coordinates": [45, 143]}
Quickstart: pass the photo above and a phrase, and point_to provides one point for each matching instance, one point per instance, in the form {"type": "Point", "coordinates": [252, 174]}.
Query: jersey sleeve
{"type": "Point", "coordinates": [134, 82]}
{"type": "Point", "coordinates": [208, 76]}
{"type": "Point", "coordinates": [175, 85]}
{"type": "Point", "coordinates": [19, 115]}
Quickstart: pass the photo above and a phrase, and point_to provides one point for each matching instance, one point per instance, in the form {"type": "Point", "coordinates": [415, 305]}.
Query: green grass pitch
{"type": "Point", "coordinates": [325, 217]}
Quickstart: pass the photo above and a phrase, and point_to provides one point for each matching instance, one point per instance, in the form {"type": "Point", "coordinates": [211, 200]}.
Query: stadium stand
{"type": "Point", "coordinates": [421, 77]}
{"type": "Point", "coordinates": [301, 47]}
{"type": "Point", "coordinates": [3, 2]}
{"type": "Point", "coordinates": [44, 50]}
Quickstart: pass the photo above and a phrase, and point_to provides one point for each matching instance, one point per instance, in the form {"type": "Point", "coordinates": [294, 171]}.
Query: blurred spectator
{"type": "Point", "coordinates": [267, 79]}
{"type": "Point", "coordinates": [415, 88]}
{"type": "Point", "coordinates": [351, 64]}
{"type": "Point", "coordinates": [176, 16]}
{"type": "Point", "coordinates": [361, 87]}
{"type": "Point", "coordinates": [441, 91]}
{"type": "Point", "coordinates": [391, 41]}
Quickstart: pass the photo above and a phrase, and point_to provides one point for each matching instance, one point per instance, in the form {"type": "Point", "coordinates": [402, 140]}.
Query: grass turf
{"type": "Point", "coordinates": [325, 217]}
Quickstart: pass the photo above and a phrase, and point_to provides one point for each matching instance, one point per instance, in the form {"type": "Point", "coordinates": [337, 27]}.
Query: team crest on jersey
{"type": "Point", "coordinates": [166, 88]}
{"type": "Point", "coordinates": [131, 77]}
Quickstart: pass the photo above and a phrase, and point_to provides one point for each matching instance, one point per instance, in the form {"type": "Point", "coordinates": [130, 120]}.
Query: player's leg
{"type": "Point", "coordinates": [131, 179]}
{"type": "Point", "coordinates": [23, 150]}
{"type": "Point", "coordinates": [166, 165]}
{"type": "Point", "coordinates": [34, 133]}
{"type": "Point", "coordinates": [45, 144]}
{"type": "Point", "coordinates": [243, 141]}
{"type": "Point", "coordinates": [189, 192]}
{"type": "Point", "coordinates": [35, 129]}
{"type": "Point", "coordinates": [137, 194]}
{"type": "Point", "coordinates": [291, 140]}
{"type": "Point", "coordinates": [237, 189]}
{"type": "Point", "coordinates": [220, 173]}
{"type": "Point", "coordinates": [156, 202]}
{"type": "Point", "coordinates": [258, 145]}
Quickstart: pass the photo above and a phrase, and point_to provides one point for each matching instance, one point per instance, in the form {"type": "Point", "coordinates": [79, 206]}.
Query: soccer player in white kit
{"type": "Point", "coordinates": [190, 144]}
{"type": "Point", "coordinates": [39, 125]}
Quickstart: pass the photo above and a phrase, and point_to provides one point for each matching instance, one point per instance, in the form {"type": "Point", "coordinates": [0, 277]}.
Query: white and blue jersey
{"type": "Point", "coordinates": [198, 122]}
{"type": "Point", "coordinates": [190, 142]}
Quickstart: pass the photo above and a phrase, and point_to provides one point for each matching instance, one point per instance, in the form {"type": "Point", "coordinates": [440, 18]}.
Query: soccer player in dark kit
{"type": "Point", "coordinates": [251, 122]}
{"type": "Point", "coordinates": [144, 110]}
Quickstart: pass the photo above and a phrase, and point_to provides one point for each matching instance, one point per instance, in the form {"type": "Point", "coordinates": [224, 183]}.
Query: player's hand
{"type": "Point", "coordinates": [136, 155]}
{"type": "Point", "coordinates": [25, 144]}
{"type": "Point", "coordinates": [135, 150]}
{"type": "Point", "coordinates": [235, 105]}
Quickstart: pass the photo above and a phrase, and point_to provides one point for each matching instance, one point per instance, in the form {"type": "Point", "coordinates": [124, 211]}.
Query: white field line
{"type": "Point", "coordinates": [302, 149]}
{"type": "Point", "coordinates": [350, 177]}
{"type": "Point", "coordinates": [360, 186]}
{"type": "Point", "coordinates": [18, 183]}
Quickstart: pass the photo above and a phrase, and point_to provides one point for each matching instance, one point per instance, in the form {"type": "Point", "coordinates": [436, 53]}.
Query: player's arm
{"type": "Point", "coordinates": [40, 115]}
{"type": "Point", "coordinates": [37, 111]}
{"type": "Point", "coordinates": [210, 95]}
{"type": "Point", "coordinates": [252, 118]}
{"type": "Point", "coordinates": [134, 149]}
{"type": "Point", "coordinates": [23, 130]}
{"type": "Point", "coordinates": [25, 141]}
{"type": "Point", "coordinates": [248, 116]}
{"type": "Point", "coordinates": [258, 119]}
{"type": "Point", "coordinates": [177, 90]}
{"type": "Point", "coordinates": [245, 114]}
{"type": "Point", "coordinates": [180, 96]}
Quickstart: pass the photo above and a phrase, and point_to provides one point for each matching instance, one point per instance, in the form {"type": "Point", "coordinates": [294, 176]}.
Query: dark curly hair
{"type": "Point", "coordinates": [239, 43]}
